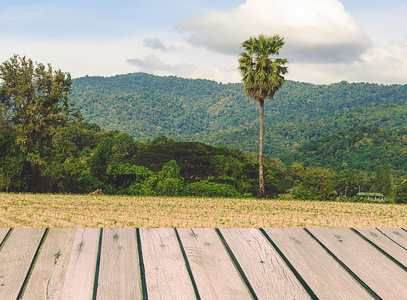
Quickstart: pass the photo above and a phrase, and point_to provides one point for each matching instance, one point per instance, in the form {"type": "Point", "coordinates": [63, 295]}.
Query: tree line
{"type": "Point", "coordinates": [146, 106]}
{"type": "Point", "coordinates": [82, 158]}
{"type": "Point", "coordinates": [46, 147]}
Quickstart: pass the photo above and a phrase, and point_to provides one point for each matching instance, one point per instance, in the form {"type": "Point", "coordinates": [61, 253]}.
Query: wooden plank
{"type": "Point", "coordinates": [3, 233]}
{"type": "Point", "coordinates": [215, 275]}
{"type": "Point", "coordinates": [326, 278]}
{"type": "Point", "coordinates": [381, 274]}
{"type": "Point", "coordinates": [266, 271]}
{"type": "Point", "coordinates": [15, 259]}
{"type": "Point", "coordinates": [385, 244]}
{"type": "Point", "coordinates": [119, 271]}
{"type": "Point", "coordinates": [49, 272]}
{"type": "Point", "coordinates": [80, 274]}
{"type": "Point", "coordinates": [396, 234]}
{"type": "Point", "coordinates": [165, 270]}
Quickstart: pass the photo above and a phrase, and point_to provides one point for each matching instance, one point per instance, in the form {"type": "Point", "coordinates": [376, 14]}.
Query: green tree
{"type": "Point", "coordinates": [383, 180]}
{"type": "Point", "coordinates": [169, 183]}
{"type": "Point", "coordinates": [400, 192]}
{"type": "Point", "coordinates": [319, 182]}
{"type": "Point", "coordinates": [262, 77]}
{"type": "Point", "coordinates": [13, 175]}
{"type": "Point", "coordinates": [34, 101]}
{"type": "Point", "coordinates": [345, 184]}
{"type": "Point", "coordinates": [99, 161]}
{"type": "Point", "coordinates": [34, 105]}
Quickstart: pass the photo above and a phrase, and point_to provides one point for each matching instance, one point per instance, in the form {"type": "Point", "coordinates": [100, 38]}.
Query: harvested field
{"type": "Point", "coordinates": [39, 210]}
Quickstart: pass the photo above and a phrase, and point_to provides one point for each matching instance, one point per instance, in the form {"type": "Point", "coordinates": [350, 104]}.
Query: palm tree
{"type": "Point", "coordinates": [262, 76]}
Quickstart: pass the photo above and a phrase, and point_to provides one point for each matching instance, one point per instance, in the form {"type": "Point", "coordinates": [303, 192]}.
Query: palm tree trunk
{"type": "Point", "coordinates": [261, 177]}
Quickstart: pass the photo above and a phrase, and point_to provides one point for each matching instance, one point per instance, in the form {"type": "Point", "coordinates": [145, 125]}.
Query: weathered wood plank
{"type": "Point", "coordinates": [396, 234]}
{"type": "Point", "coordinates": [381, 274]}
{"type": "Point", "coordinates": [266, 271]}
{"type": "Point", "coordinates": [215, 275]}
{"type": "Point", "coordinates": [3, 233]}
{"type": "Point", "coordinates": [119, 271]}
{"type": "Point", "coordinates": [80, 274]}
{"type": "Point", "coordinates": [326, 278]}
{"type": "Point", "coordinates": [15, 259]}
{"type": "Point", "coordinates": [385, 244]}
{"type": "Point", "coordinates": [49, 271]}
{"type": "Point", "coordinates": [165, 269]}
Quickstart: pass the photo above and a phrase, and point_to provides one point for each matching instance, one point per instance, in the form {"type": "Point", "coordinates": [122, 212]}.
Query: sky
{"type": "Point", "coordinates": [326, 41]}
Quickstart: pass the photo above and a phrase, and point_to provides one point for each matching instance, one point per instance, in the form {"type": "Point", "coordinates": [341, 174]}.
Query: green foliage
{"type": "Point", "coordinates": [146, 106]}
{"type": "Point", "coordinates": [262, 75]}
{"type": "Point", "coordinates": [87, 183]}
{"type": "Point", "coordinates": [169, 181]}
{"type": "Point", "coordinates": [99, 161]}
{"type": "Point", "coordinates": [34, 101]}
{"type": "Point", "coordinates": [13, 165]}
{"type": "Point", "coordinates": [80, 157]}
{"type": "Point", "coordinates": [383, 181]}
{"type": "Point", "coordinates": [318, 181]}
{"type": "Point", "coordinates": [400, 192]}
{"type": "Point", "coordinates": [345, 184]}
{"type": "Point", "coordinates": [124, 175]}
{"type": "Point", "coordinates": [357, 149]}
{"type": "Point", "coordinates": [207, 188]}
{"type": "Point", "coordinates": [301, 194]}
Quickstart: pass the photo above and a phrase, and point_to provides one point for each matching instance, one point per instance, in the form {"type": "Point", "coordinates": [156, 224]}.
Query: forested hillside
{"type": "Point", "coordinates": [45, 146]}
{"type": "Point", "coordinates": [147, 106]}
{"type": "Point", "coordinates": [357, 149]}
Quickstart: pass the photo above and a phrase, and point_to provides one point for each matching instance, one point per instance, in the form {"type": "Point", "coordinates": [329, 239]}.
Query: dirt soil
{"type": "Point", "coordinates": [47, 210]}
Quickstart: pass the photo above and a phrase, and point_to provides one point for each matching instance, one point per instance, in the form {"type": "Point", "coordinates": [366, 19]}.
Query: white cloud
{"type": "Point", "coordinates": [377, 65]}
{"type": "Point", "coordinates": [152, 63]}
{"type": "Point", "coordinates": [157, 44]}
{"type": "Point", "coordinates": [314, 30]}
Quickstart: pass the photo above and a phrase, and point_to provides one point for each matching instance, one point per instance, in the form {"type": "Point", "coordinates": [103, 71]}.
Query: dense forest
{"type": "Point", "coordinates": [146, 106]}
{"type": "Point", "coordinates": [355, 149]}
{"type": "Point", "coordinates": [143, 138]}
{"type": "Point", "coordinates": [82, 158]}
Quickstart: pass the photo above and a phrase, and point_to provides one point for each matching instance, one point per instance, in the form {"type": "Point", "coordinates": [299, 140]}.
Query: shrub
{"type": "Point", "coordinates": [302, 194]}
{"type": "Point", "coordinates": [125, 175]}
{"type": "Point", "coordinates": [400, 192]}
{"type": "Point", "coordinates": [211, 189]}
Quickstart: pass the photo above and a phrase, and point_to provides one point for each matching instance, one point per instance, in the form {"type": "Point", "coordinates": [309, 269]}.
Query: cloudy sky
{"type": "Point", "coordinates": [326, 40]}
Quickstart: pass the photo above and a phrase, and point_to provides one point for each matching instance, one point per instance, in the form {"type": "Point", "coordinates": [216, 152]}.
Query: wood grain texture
{"type": "Point", "coordinates": [15, 259]}
{"type": "Point", "coordinates": [80, 274]}
{"type": "Point", "coordinates": [49, 271]}
{"type": "Point", "coordinates": [385, 244]}
{"type": "Point", "coordinates": [119, 271]}
{"type": "Point", "coordinates": [376, 270]}
{"type": "Point", "coordinates": [266, 271]}
{"type": "Point", "coordinates": [3, 233]}
{"type": "Point", "coordinates": [326, 278]}
{"type": "Point", "coordinates": [215, 275]}
{"type": "Point", "coordinates": [165, 269]}
{"type": "Point", "coordinates": [396, 234]}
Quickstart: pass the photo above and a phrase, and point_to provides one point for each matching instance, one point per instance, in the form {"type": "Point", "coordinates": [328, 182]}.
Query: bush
{"type": "Point", "coordinates": [302, 194]}
{"type": "Point", "coordinates": [211, 189]}
{"type": "Point", "coordinates": [125, 175]}
{"type": "Point", "coordinates": [136, 189]}
{"type": "Point", "coordinates": [170, 187]}
{"type": "Point", "coordinates": [88, 183]}
{"type": "Point", "coordinates": [400, 192]}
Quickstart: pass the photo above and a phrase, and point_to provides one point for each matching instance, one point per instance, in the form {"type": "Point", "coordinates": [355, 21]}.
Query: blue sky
{"type": "Point", "coordinates": [326, 40]}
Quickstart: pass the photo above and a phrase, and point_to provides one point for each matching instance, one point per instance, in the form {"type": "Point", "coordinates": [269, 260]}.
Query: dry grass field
{"type": "Point", "coordinates": [29, 210]}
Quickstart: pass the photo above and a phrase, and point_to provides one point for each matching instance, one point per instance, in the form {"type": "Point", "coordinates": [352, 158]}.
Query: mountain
{"type": "Point", "coordinates": [147, 106]}
{"type": "Point", "coordinates": [356, 149]}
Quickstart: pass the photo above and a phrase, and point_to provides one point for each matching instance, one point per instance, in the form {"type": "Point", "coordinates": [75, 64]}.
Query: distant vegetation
{"type": "Point", "coordinates": [146, 106]}
{"type": "Point", "coordinates": [57, 152]}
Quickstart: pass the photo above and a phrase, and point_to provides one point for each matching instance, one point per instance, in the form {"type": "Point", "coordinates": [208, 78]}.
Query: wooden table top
{"type": "Point", "coordinates": [203, 263]}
